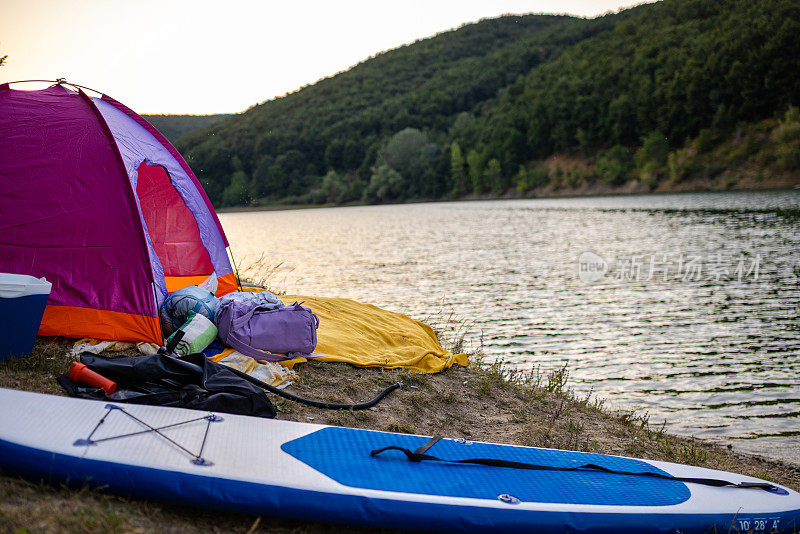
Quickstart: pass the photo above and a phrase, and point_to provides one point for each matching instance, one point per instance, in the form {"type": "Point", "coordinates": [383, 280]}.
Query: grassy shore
{"type": "Point", "coordinates": [479, 402]}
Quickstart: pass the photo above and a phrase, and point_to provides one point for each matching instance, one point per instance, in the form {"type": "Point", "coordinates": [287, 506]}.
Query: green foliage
{"type": "Point", "coordinates": [403, 149]}
{"type": "Point", "coordinates": [475, 164]}
{"type": "Point", "coordinates": [528, 179]}
{"type": "Point", "coordinates": [654, 151]}
{"type": "Point", "coordinates": [574, 175]}
{"type": "Point", "coordinates": [286, 175]}
{"type": "Point", "coordinates": [458, 171]}
{"type": "Point", "coordinates": [682, 164]}
{"type": "Point", "coordinates": [411, 154]}
{"type": "Point", "coordinates": [706, 140]}
{"type": "Point", "coordinates": [175, 126]}
{"type": "Point", "coordinates": [463, 111]}
{"type": "Point", "coordinates": [558, 174]}
{"type": "Point", "coordinates": [333, 189]}
{"type": "Point", "coordinates": [493, 177]}
{"type": "Point", "coordinates": [356, 188]}
{"type": "Point", "coordinates": [614, 165]}
{"type": "Point", "coordinates": [3, 60]}
{"type": "Point", "coordinates": [787, 140]}
{"type": "Point", "coordinates": [386, 184]}
{"type": "Point", "coordinates": [651, 158]}
{"type": "Point", "coordinates": [675, 67]}
{"type": "Point", "coordinates": [237, 193]}
{"type": "Point", "coordinates": [341, 122]}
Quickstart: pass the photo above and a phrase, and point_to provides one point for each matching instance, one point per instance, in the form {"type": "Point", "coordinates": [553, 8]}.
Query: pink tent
{"type": "Point", "coordinates": [97, 201]}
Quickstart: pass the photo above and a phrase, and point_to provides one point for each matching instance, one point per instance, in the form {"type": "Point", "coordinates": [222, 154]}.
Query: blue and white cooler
{"type": "Point", "coordinates": [22, 302]}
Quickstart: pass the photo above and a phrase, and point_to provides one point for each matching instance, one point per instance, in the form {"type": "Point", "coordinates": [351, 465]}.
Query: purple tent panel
{"type": "Point", "coordinates": [83, 232]}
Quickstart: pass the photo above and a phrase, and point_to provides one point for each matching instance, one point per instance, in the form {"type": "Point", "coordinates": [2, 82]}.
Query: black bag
{"type": "Point", "coordinates": [191, 381]}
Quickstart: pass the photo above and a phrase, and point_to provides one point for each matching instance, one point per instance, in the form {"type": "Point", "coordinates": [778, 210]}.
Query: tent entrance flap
{"type": "Point", "coordinates": [172, 227]}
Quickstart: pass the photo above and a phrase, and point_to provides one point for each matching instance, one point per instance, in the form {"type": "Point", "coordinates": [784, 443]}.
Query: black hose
{"type": "Point", "coordinates": [316, 404]}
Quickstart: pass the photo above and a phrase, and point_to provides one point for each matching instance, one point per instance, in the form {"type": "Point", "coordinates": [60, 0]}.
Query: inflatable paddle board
{"type": "Point", "coordinates": [380, 479]}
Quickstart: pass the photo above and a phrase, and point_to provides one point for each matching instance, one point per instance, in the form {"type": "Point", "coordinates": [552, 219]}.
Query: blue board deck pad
{"type": "Point", "coordinates": [308, 471]}
{"type": "Point", "coordinates": [344, 455]}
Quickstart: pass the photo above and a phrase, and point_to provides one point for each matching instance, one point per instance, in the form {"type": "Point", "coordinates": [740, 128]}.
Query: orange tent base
{"type": "Point", "coordinates": [74, 321]}
{"type": "Point", "coordinates": [225, 284]}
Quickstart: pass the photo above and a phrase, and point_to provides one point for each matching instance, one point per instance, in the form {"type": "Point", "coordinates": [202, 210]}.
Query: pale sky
{"type": "Point", "coordinates": [198, 56]}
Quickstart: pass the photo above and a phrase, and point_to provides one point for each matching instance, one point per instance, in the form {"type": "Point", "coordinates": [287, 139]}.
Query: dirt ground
{"type": "Point", "coordinates": [479, 402]}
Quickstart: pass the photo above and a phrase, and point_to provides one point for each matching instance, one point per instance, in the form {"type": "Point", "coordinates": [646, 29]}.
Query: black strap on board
{"type": "Point", "coordinates": [419, 456]}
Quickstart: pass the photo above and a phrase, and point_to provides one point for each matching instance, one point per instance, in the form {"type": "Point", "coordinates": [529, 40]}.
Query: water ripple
{"type": "Point", "coordinates": [717, 354]}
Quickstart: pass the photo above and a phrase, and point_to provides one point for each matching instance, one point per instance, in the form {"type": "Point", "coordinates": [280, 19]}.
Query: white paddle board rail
{"type": "Point", "coordinates": [301, 470]}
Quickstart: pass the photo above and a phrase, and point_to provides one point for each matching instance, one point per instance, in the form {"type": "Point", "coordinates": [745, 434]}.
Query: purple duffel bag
{"type": "Point", "coordinates": [268, 334]}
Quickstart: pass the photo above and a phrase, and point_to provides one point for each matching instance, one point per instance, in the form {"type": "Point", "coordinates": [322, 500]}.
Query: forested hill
{"type": "Point", "coordinates": [648, 95]}
{"type": "Point", "coordinates": [175, 126]}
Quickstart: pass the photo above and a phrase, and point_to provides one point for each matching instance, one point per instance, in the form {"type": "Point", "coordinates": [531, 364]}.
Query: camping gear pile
{"type": "Point", "coordinates": [97, 202]}
{"type": "Point", "coordinates": [261, 327]}
{"type": "Point", "coordinates": [180, 375]}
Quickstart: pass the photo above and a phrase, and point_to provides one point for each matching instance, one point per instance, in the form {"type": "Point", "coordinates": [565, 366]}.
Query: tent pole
{"type": "Point", "coordinates": [59, 81]}
{"type": "Point", "coordinates": [235, 269]}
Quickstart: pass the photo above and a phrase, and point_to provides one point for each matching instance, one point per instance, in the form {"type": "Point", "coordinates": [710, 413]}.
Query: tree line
{"type": "Point", "coordinates": [642, 94]}
{"type": "Point", "coordinates": [176, 126]}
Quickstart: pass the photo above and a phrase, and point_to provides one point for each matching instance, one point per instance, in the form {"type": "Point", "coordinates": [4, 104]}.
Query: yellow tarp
{"type": "Point", "coordinates": [368, 336]}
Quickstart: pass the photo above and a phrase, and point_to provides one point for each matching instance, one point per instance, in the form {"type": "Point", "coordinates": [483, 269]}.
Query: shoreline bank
{"type": "Point", "coordinates": [585, 191]}
{"type": "Point", "coordinates": [481, 403]}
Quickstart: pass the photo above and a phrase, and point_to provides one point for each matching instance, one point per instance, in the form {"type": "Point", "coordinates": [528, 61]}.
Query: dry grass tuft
{"type": "Point", "coordinates": [261, 273]}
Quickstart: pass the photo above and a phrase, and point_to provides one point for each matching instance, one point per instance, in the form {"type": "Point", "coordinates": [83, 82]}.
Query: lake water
{"type": "Point", "coordinates": [685, 306]}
